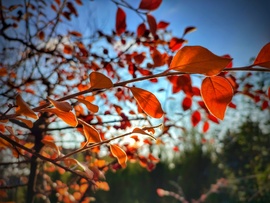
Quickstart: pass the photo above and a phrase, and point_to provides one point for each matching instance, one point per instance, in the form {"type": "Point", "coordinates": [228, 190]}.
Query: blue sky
{"type": "Point", "coordinates": [236, 27]}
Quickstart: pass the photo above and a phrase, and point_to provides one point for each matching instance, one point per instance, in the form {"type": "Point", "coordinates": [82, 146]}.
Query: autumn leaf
{"type": "Point", "coordinates": [186, 104]}
{"type": "Point", "coordinates": [120, 21]}
{"type": "Point", "coordinates": [141, 30]}
{"type": "Point", "coordinates": [195, 118]}
{"type": "Point", "coordinates": [75, 33]}
{"type": "Point", "coordinates": [148, 102]}
{"type": "Point", "coordinates": [149, 4]}
{"type": "Point", "coordinates": [152, 24]}
{"type": "Point", "coordinates": [70, 162]}
{"type": "Point", "coordinates": [120, 154]}
{"type": "Point", "coordinates": [189, 29]}
{"type": "Point", "coordinates": [60, 105]}
{"type": "Point", "coordinates": [90, 133]}
{"type": "Point", "coordinates": [141, 131]}
{"type": "Point", "coordinates": [217, 93]}
{"type": "Point", "coordinates": [67, 117]}
{"type": "Point", "coordinates": [23, 108]}
{"type": "Point", "coordinates": [52, 145]}
{"type": "Point", "coordinates": [162, 25]}
{"type": "Point", "coordinates": [99, 81]}
{"type": "Point", "coordinates": [206, 126]}
{"type": "Point", "coordinates": [91, 107]}
{"type": "Point", "coordinates": [25, 121]}
{"type": "Point", "coordinates": [197, 59]}
{"type": "Point", "coordinates": [67, 49]}
{"type": "Point", "coordinates": [263, 58]}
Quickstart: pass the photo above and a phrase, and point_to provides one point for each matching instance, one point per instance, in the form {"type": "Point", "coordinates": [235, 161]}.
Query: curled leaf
{"type": "Point", "coordinates": [61, 105]}
{"type": "Point", "coordinates": [120, 154]}
{"type": "Point", "coordinates": [217, 94]}
{"type": "Point", "coordinates": [197, 59]}
{"type": "Point", "coordinates": [25, 121]}
{"type": "Point", "coordinates": [263, 58]}
{"type": "Point", "coordinates": [90, 133]}
{"type": "Point", "coordinates": [148, 102]}
{"type": "Point", "coordinates": [99, 81]}
{"type": "Point", "coordinates": [24, 109]}
{"type": "Point", "coordinates": [141, 131]}
{"type": "Point", "coordinates": [67, 117]}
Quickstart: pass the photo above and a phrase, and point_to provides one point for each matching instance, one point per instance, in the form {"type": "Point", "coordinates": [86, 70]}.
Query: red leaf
{"type": "Point", "coordinates": [269, 92]}
{"type": "Point", "coordinates": [265, 105]}
{"type": "Point", "coordinates": [182, 82]}
{"type": "Point", "coordinates": [176, 43]}
{"type": "Point", "coordinates": [197, 59]}
{"type": "Point", "coordinates": [263, 58]}
{"type": "Point", "coordinates": [148, 102]}
{"type": "Point", "coordinates": [141, 30]}
{"type": "Point", "coordinates": [162, 25]}
{"type": "Point", "coordinates": [217, 93]}
{"type": "Point", "coordinates": [67, 49]}
{"type": "Point", "coordinates": [152, 24]}
{"type": "Point", "coordinates": [232, 105]}
{"type": "Point", "coordinates": [205, 126]}
{"type": "Point", "coordinates": [213, 118]}
{"type": "Point", "coordinates": [186, 104]}
{"type": "Point", "coordinates": [149, 4]}
{"type": "Point", "coordinates": [195, 118]}
{"type": "Point", "coordinates": [120, 21]}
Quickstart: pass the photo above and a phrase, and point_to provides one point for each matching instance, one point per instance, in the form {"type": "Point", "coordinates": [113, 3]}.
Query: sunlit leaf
{"type": "Point", "coordinates": [90, 133]}
{"type": "Point", "coordinates": [99, 81]}
{"type": "Point", "coordinates": [70, 162]}
{"type": "Point", "coordinates": [162, 25]}
{"type": "Point", "coordinates": [120, 21]}
{"type": "Point", "coordinates": [67, 49]}
{"type": "Point", "coordinates": [152, 24]}
{"type": "Point", "coordinates": [206, 126]}
{"type": "Point", "coordinates": [197, 59]}
{"type": "Point", "coordinates": [91, 107]}
{"type": "Point", "coordinates": [176, 43]}
{"type": "Point", "coordinates": [120, 154]}
{"type": "Point", "coordinates": [61, 105]}
{"type": "Point", "coordinates": [24, 109]}
{"type": "Point", "coordinates": [75, 33]}
{"type": "Point", "coordinates": [67, 117]}
{"type": "Point", "coordinates": [195, 118]}
{"type": "Point", "coordinates": [263, 58]}
{"type": "Point", "coordinates": [217, 93]}
{"type": "Point", "coordinates": [149, 4]}
{"type": "Point", "coordinates": [148, 102]}
{"type": "Point", "coordinates": [141, 131]}
{"type": "Point", "coordinates": [52, 145]}
{"type": "Point", "coordinates": [189, 29]}
{"type": "Point", "coordinates": [25, 121]}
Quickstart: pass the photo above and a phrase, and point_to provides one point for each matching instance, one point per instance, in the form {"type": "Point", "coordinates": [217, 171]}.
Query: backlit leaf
{"type": "Point", "coordinates": [51, 144]}
{"type": "Point", "coordinates": [217, 93]}
{"type": "Point", "coordinates": [67, 117]}
{"type": "Point", "coordinates": [206, 126]}
{"type": "Point", "coordinates": [120, 154]}
{"type": "Point", "coordinates": [90, 133]}
{"type": "Point", "coordinates": [149, 4]}
{"type": "Point", "coordinates": [26, 122]}
{"type": "Point", "coordinates": [148, 102]}
{"type": "Point", "coordinates": [61, 105]}
{"type": "Point", "coordinates": [152, 24]}
{"type": "Point", "coordinates": [99, 81]}
{"type": "Point", "coordinates": [67, 49]}
{"type": "Point", "coordinates": [91, 107]}
{"type": "Point", "coordinates": [70, 162]}
{"type": "Point", "coordinates": [141, 131]}
{"type": "Point", "coordinates": [162, 25]}
{"type": "Point", "coordinates": [141, 30]}
{"type": "Point", "coordinates": [195, 118]}
{"type": "Point", "coordinates": [120, 21]}
{"type": "Point", "coordinates": [23, 108]}
{"type": "Point", "coordinates": [197, 59]}
{"type": "Point", "coordinates": [263, 58]}
{"type": "Point", "coordinates": [176, 43]}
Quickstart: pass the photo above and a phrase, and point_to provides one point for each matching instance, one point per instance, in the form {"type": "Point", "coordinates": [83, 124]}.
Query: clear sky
{"type": "Point", "coordinates": [236, 27]}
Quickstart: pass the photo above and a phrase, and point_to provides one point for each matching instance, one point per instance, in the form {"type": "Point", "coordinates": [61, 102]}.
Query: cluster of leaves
{"type": "Point", "coordinates": [87, 88]}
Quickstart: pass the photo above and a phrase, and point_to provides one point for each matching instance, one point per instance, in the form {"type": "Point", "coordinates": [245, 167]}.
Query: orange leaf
{"type": "Point", "coordinates": [148, 102]}
{"type": "Point", "coordinates": [176, 43]}
{"type": "Point", "coordinates": [24, 109]}
{"type": "Point", "coordinates": [75, 33]}
{"type": "Point", "coordinates": [120, 154]}
{"type": "Point", "coordinates": [141, 131]}
{"type": "Point", "coordinates": [217, 93]}
{"type": "Point", "coordinates": [25, 121]}
{"type": "Point", "coordinates": [152, 24]}
{"type": "Point", "coordinates": [120, 21]}
{"type": "Point", "coordinates": [197, 59]}
{"type": "Point", "coordinates": [195, 118]}
{"type": "Point", "coordinates": [91, 107]}
{"type": "Point", "coordinates": [90, 133]}
{"type": "Point", "coordinates": [61, 105]}
{"type": "Point", "coordinates": [67, 117]}
{"type": "Point", "coordinates": [67, 49]}
{"type": "Point", "coordinates": [263, 58]}
{"type": "Point", "coordinates": [149, 4]}
{"type": "Point", "coordinates": [3, 71]}
{"type": "Point", "coordinates": [99, 81]}
{"type": "Point", "coordinates": [51, 144]}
